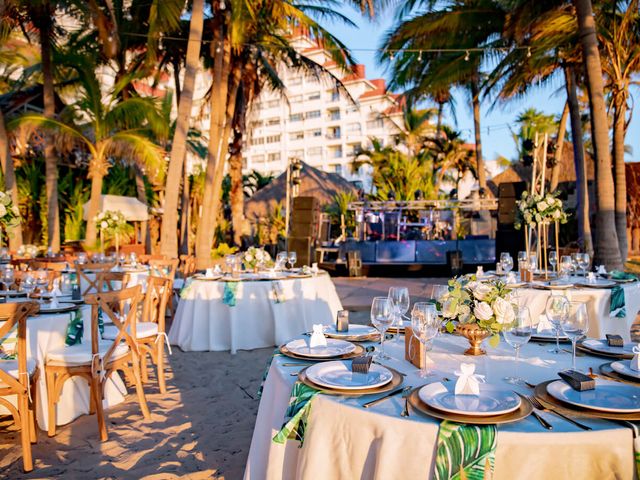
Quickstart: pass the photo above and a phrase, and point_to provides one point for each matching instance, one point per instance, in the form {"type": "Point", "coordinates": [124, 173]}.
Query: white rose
{"type": "Point", "coordinates": [503, 311]}
{"type": "Point", "coordinates": [542, 206]}
{"type": "Point", "coordinates": [3, 210]}
{"type": "Point", "coordinates": [481, 291]}
{"type": "Point", "coordinates": [556, 214]}
{"type": "Point", "coordinates": [248, 257]}
{"type": "Point", "coordinates": [104, 225]}
{"type": "Point", "coordinates": [472, 285]}
{"type": "Point", "coordinates": [483, 311]}
{"type": "Point", "coordinates": [463, 313]}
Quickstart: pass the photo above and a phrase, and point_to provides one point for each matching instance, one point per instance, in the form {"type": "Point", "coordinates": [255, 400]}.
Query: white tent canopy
{"type": "Point", "coordinates": [132, 208]}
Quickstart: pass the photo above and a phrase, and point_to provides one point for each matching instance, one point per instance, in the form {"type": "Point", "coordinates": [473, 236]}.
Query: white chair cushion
{"type": "Point", "coordinates": [11, 367]}
{"type": "Point", "coordinates": [80, 354]}
{"type": "Point", "coordinates": [143, 330]}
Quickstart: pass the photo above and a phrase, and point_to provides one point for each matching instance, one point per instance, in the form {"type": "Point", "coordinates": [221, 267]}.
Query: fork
{"type": "Point", "coordinates": [541, 420]}
{"type": "Point", "coordinates": [536, 404]}
{"type": "Point", "coordinates": [405, 412]}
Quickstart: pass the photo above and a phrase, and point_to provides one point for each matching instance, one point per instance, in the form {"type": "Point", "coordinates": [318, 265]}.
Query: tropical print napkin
{"type": "Point", "coordinates": [297, 414]}
{"type": "Point", "coordinates": [617, 307]}
{"type": "Point", "coordinates": [187, 287]}
{"type": "Point", "coordinates": [465, 451]}
{"type": "Point", "coordinates": [229, 296]}
{"type": "Point", "coordinates": [75, 328]}
{"type": "Point", "coordinates": [8, 344]}
{"type": "Point", "coordinates": [620, 275]}
{"type": "Point", "coordinates": [277, 292]}
{"type": "Point", "coordinates": [276, 353]}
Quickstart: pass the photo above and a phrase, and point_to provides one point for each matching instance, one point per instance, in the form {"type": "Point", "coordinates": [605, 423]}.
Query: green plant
{"type": "Point", "coordinates": [74, 212]}
{"type": "Point", "coordinates": [222, 250]}
{"type": "Point", "coordinates": [340, 208]}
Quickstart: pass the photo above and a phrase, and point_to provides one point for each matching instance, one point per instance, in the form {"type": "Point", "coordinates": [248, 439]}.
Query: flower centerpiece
{"type": "Point", "coordinates": [9, 214]}
{"type": "Point", "coordinates": [481, 308]}
{"type": "Point", "coordinates": [536, 209]}
{"type": "Point", "coordinates": [254, 258]}
{"type": "Point", "coordinates": [111, 223]}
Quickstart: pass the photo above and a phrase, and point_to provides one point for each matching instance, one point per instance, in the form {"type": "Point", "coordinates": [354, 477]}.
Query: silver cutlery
{"type": "Point", "coordinates": [295, 364]}
{"type": "Point", "coordinates": [386, 366]}
{"type": "Point", "coordinates": [541, 420]}
{"type": "Point", "coordinates": [405, 412]}
{"type": "Point", "coordinates": [536, 403]}
{"type": "Point", "coordinates": [385, 397]}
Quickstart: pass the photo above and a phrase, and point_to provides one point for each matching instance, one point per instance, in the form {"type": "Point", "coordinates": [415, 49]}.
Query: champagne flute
{"type": "Point", "coordinates": [382, 318]}
{"type": "Point", "coordinates": [425, 326]}
{"type": "Point", "coordinates": [553, 259]}
{"type": "Point", "coordinates": [399, 296]}
{"type": "Point", "coordinates": [517, 334]}
{"type": "Point", "coordinates": [557, 310]}
{"type": "Point", "coordinates": [575, 325]}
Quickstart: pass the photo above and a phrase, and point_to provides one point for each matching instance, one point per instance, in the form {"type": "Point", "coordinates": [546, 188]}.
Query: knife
{"type": "Point", "coordinates": [385, 397]}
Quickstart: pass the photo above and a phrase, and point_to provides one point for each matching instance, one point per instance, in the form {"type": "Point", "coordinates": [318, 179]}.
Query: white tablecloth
{"type": "Point", "coordinates": [46, 332]}
{"type": "Point", "coordinates": [344, 440]}
{"type": "Point", "coordinates": [204, 323]}
{"type": "Point", "coordinates": [598, 301]}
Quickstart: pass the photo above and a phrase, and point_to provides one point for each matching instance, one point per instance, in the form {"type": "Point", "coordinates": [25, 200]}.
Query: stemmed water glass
{"type": "Point", "coordinates": [281, 260]}
{"type": "Point", "coordinates": [566, 265]}
{"type": "Point", "coordinates": [575, 325]}
{"type": "Point", "coordinates": [506, 262]}
{"type": "Point", "coordinates": [553, 259]}
{"type": "Point", "coordinates": [557, 310]}
{"type": "Point", "coordinates": [399, 296]}
{"type": "Point", "coordinates": [28, 285]}
{"type": "Point", "coordinates": [382, 318]}
{"type": "Point", "coordinates": [583, 262]}
{"type": "Point", "coordinates": [293, 258]}
{"type": "Point", "coordinates": [517, 334]}
{"type": "Point", "coordinates": [425, 325]}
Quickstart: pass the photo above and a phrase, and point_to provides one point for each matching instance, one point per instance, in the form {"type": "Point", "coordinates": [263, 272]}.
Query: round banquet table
{"type": "Point", "coordinates": [598, 301]}
{"type": "Point", "coordinates": [48, 331]}
{"type": "Point", "coordinates": [345, 440]}
{"type": "Point", "coordinates": [204, 323]}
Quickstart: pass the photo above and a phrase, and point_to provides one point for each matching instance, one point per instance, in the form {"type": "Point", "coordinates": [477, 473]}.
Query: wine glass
{"type": "Point", "coordinates": [281, 260]}
{"type": "Point", "coordinates": [399, 296]}
{"type": "Point", "coordinates": [293, 258]}
{"type": "Point", "coordinates": [28, 285]}
{"type": "Point", "coordinates": [42, 281]}
{"type": "Point", "coordinates": [229, 261]}
{"type": "Point", "coordinates": [8, 277]}
{"type": "Point", "coordinates": [566, 265]}
{"type": "Point", "coordinates": [517, 334]}
{"type": "Point", "coordinates": [533, 263]}
{"type": "Point", "coordinates": [553, 259]}
{"type": "Point", "coordinates": [575, 325]}
{"type": "Point", "coordinates": [557, 310]}
{"type": "Point", "coordinates": [583, 262]}
{"type": "Point", "coordinates": [382, 318]}
{"type": "Point", "coordinates": [506, 262]}
{"type": "Point", "coordinates": [425, 325]}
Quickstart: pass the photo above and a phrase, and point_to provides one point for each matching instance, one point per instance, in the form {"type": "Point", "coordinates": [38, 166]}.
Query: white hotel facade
{"type": "Point", "coordinates": [319, 124]}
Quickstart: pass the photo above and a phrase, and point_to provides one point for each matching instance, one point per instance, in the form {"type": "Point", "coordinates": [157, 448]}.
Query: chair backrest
{"type": "Point", "coordinates": [156, 299]}
{"type": "Point", "coordinates": [55, 266]}
{"type": "Point", "coordinates": [85, 271]}
{"type": "Point", "coordinates": [187, 266]}
{"type": "Point", "coordinates": [14, 315]}
{"type": "Point", "coordinates": [106, 281]}
{"type": "Point", "coordinates": [121, 309]}
{"type": "Point", "coordinates": [164, 268]}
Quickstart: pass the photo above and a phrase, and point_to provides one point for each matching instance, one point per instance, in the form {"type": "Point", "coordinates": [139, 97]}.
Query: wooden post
{"type": "Point", "coordinates": [544, 236]}
{"type": "Point", "coordinates": [557, 228]}
{"type": "Point", "coordinates": [544, 163]}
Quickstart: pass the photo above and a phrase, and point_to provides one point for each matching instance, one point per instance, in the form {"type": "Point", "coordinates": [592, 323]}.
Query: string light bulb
{"type": "Point", "coordinates": [528, 52]}
{"type": "Point", "coordinates": [392, 56]}
{"type": "Point", "coordinates": [466, 56]}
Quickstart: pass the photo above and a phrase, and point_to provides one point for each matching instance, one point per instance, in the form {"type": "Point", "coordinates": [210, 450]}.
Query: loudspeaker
{"type": "Point", "coordinates": [508, 194]}
{"type": "Point", "coordinates": [302, 247]}
{"type": "Point", "coordinates": [509, 240]}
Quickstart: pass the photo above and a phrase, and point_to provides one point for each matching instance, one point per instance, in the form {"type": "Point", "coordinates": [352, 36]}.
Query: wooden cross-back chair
{"type": "Point", "coordinates": [187, 266]}
{"type": "Point", "coordinates": [85, 272]}
{"type": "Point", "coordinates": [19, 377]}
{"type": "Point", "coordinates": [19, 276]}
{"type": "Point", "coordinates": [164, 268]}
{"type": "Point", "coordinates": [148, 258]}
{"type": "Point", "coordinates": [150, 331]}
{"type": "Point", "coordinates": [111, 281]}
{"type": "Point", "coordinates": [99, 360]}
{"type": "Point", "coordinates": [43, 265]}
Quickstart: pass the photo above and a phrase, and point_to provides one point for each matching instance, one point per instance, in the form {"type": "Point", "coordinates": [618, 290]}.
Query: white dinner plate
{"type": "Point", "coordinates": [555, 285]}
{"type": "Point", "coordinates": [62, 307]}
{"type": "Point", "coordinates": [354, 331]}
{"type": "Point", "coordinates": [598, 283]}
{"type": "Point", "coordinates": [333, 349]}
{"type": "Point", "coordinates": [338, 374]}
{"type": "Point", "coordinates": [623, 367]}
{"type": "Point", "coordinates": [547, 335]}
{"type": "Point", "coordinates": [608, 396]}
{"type": "Point", "coordinates": [517, 284]}
{"type": "Point", "coordinates": [12, 293]}
{"type": "Point", "coordinates": [603, 346]}
{"type": "Point", "coordinates": [493, 400]}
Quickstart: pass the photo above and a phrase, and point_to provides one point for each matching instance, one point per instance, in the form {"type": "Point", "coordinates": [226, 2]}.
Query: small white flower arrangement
{"type": "Point", "coordinates": [9, 212]}
{"type": "Point", "coordinates": [487, 303]}
{"type": "Point", "coordinates": [535, 209]}
{"type": "Point", "coordinates": [111, 222]}
{"type": "Point", "coordinates": [28, 251]}
{"type": "Point", "coordinates": [255, 258]}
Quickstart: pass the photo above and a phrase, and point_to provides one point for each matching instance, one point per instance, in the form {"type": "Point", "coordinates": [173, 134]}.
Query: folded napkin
{"type": "Point", "coordinates": [217, 270]}
{"type": "Point", "coordinates": [297, 414]}
{"type": "Point", "coordinates": [276, 353]}
{"type": "Point", "coordinates": [8, 344]}
{"type": "Point", "coordinates": [317, 337]}
{"type": "Point", "coordinates": [578, 381]}
{"type": "Point", "coordinates": [620, 275]}
{"type": "Point", "coordinates": [465, 451]}
{"type": "Point", "coordinates": [361, 364]}
{"type": "Point", "coordinates": [468, 382]}
{"type": "Point", "coordinates": [602, 270]}
{"type": "Point", "coordinates": [75, 328]}
{"type": "Point", "coordinates": [314, 268]}
{"type": "Point", "coordinates": [617, 306]}
{"type": "Point", "coordinates": [209, 273]}
{"type": "Point", "coordinates": [229, 295]}
{"type": "Point", "coordinates": [479, 272]}
{"type": "Point", "coordinates": [634, 364]}
{"type": "Point", "coordinates": [591, 277]}
{"type": "Point", "coordinates": [511, 278]}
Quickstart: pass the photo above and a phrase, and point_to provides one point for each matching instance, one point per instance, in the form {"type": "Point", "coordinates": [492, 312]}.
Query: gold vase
{"type": "Point", "coordinates": [475, 334]}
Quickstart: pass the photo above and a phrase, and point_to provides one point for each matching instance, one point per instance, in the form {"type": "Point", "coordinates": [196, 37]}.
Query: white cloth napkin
{"type": "Point", "coordinates": [543, 324]}
{"type": "Point", "coordinates": [511, 278]}
{"type": "Point", "coordinates": [591, 277]}
{"type": "Point", "coordinates": [634, 364]}
{"type": "Point", "coordinates": [55, 293]}
{"type": "Point", "coordinates": [209, 273]}
{"type": "Point", "coordinates": [479, 271]}
{"type": "Point", "coordinates": [468, 382]}
{"type": "Point", "coordinates": [602, 270]}
{"type": "Point", "coordinates": [317, 337]}
{"type": "Point", "coordinates": [314, 268]}
{"type": "Point", "coordinates": [217, 270]}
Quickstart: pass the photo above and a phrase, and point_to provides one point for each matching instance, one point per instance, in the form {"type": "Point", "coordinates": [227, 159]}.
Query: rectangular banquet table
{"type": "Point", "coordinates": [204, 323]}
{"type": "Point", "coordinates": [344, 440]}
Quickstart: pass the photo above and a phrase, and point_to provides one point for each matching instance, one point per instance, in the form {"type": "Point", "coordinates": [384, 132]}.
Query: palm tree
{"type": "Point", "coordinates": [607, 246]}
{"type": "Point", "coordinates": [118, 129]}
{"type": "Point", "coordinates": [451, 153]}
{"type": "Point", "coordinates": [415, 128]}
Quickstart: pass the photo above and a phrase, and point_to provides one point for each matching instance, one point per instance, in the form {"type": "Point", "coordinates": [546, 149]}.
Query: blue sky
{"type": "Point", "coordinates": [496, 137]}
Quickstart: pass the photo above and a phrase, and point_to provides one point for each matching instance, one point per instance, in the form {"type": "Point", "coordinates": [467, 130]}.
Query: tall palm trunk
{"type": "Point", "coordinates": [619, 127]}
{"type": "Point", "coordinates": [582, 189]}
{"type": "Point", "coordinates": [97, 176]}
{"type": "Point", "coordinates": [185, 212]}
{"type": "Point", "coordinates": [562, 130]}
{"type": "Point", "coordinates": [51, 163]}
{"type": "Point", "coordinates": [10, 185]}
{"type": "Point", "coordinates": [169, 237]}
{"type": "Point", "coordinates": [145, 237]}
{"type": "Point", "coordinates": [475, 99]}
{"type": "Point", "coordinates": [607, 249]}
{"type": "Point", "coordinates": [236, 194]}
{"type": "Point", "coordinates": [439, 118]}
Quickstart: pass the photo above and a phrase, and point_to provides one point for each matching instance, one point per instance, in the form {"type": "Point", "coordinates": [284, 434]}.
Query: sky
{"type": "Point", "coordinates": [496, 136]}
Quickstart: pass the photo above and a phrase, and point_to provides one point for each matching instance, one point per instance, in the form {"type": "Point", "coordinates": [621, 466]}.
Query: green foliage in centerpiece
{"type": "Point", "coordinates": [487, 303]}
{"type": "Point", "coordinates": [9, 213]}
{"type": "Point", "coordinates": [536, 208]}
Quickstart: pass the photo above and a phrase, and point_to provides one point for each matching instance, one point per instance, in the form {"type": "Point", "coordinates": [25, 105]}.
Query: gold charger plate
{"type": "Point", "coordinates": [547, 400]}
{"type": "Point", "coordinates": [617, 356]}
{"type": "Point", "coordinates": [395, 382]}
{"type": "Point", "coordinates": [373, 337]}
{"type": "Point", "coordinates": [356, 353]}
{"type": "Point", "coordinates": [607, 371]}
{"type": "Point", "coordinates": [523, 411]}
